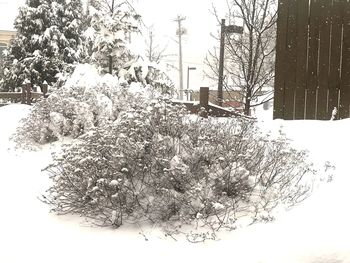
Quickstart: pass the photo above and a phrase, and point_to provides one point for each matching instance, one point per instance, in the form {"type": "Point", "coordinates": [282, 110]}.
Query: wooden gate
{"type": "Point", "coordinates": [312, 59]}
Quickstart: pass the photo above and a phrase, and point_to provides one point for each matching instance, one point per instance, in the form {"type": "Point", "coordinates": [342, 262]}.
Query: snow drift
{"type": "Point", "coordinates": [316, 231]}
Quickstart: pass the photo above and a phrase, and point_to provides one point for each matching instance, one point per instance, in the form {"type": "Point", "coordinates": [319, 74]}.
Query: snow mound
{"type": "Point", "coordinates": [10, 116]}
{"type": "Point", "coordinates": [86, 75]}
{"type": "Point", "coordinates": [316, 231]}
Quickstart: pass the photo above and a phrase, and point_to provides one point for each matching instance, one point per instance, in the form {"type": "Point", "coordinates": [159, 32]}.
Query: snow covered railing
{"type": "Point", "coordinates": [26, 96]}
{"type": "Point", "coordinates": [205, 108]}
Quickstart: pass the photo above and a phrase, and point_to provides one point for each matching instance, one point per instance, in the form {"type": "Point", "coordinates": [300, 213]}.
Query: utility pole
{"type": "Point", "coordinates": [180, 31]}
{"type": "Point", "coordinates": [150, 46]}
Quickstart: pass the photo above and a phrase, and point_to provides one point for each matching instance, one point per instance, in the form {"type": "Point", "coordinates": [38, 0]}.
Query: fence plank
{"type": "Point", "coordinates": [301, 73]}
{"type": "Point", "coordinates": [291, 57]}
{"type": "Point", "coordinates": [334, 73]}
{"type": "Point", "coordinates": [11, 95]}
{"type": "Point", "coordinates": [280, 66]}
{"type": "Point", "coordinates": [345, 67]}
{"type": "Point", "coordinates": [313, 57]}
{"type": "Point", "coordinates": [324, 57]}
{"type": "Point", "coordinates": [310, 104]}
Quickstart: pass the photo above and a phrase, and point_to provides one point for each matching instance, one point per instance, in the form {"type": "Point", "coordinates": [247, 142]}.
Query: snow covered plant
{"type": "Point", "coordinates": [148, 73]}
{"type": "Point", "coordinates": [156, 163]}
{"type": "Point", "coordinates": [86, 100]}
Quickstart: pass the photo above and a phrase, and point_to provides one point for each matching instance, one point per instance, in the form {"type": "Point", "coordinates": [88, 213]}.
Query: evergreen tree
{"type": "Point", "coordinates": [70, 15]}
{"type": "Point", "coordinates": [48, 42]}
{"type": "Point", "coordinates": [111, 23]}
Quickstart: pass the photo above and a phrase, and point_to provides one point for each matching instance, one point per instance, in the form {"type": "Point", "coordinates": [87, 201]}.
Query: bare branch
{"type": "Point", "coordinates": [249, 58]}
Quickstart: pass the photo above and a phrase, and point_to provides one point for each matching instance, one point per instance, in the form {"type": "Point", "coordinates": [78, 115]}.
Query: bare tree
{"type": "Point", "coordinates": [154, 51]}
{"type": "Point", "coordinates": [249, 58]}
{"type": "Point", "coordinates": [111, 6]}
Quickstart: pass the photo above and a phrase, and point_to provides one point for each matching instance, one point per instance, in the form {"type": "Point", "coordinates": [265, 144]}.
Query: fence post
{"type": "Point", "coordinates": [44, 89]}
{"type": "Point", "coordinates": [23, 98]}
{"type": "Point", "coordinates": [28, 92]}
{"type": "Point", "coordinates": [204, 100]}
{"type": "Point", "coordinates": [26, 96]}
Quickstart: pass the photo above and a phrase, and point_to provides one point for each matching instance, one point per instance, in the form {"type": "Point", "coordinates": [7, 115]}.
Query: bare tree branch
{"type": "Point", "coordinates": [249, 59]}
{"type": "Point", "coordinates": [154, 52]}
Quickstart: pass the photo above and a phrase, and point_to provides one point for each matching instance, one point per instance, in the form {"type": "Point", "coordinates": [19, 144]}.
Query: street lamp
{"type": "Point", "coordinates": [188, 79]}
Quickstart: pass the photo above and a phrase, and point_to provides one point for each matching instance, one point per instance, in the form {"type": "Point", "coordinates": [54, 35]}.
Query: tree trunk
{"type": "Point", "coordinates": [247, 104]}
{"type": "Point", "coordinates": [247, 108]}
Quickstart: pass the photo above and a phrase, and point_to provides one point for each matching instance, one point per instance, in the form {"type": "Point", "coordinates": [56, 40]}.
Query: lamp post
{"type": "Point", "coordinates": [188, 79]}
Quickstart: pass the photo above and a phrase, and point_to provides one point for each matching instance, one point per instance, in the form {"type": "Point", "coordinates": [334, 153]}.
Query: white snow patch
{"type": "Point", "coordinates": [316, 231]}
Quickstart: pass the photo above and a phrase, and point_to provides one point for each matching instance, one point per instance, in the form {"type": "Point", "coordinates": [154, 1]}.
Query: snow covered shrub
{"type": "Point", "coordinates": [86, 100]}
{"type": "Point", "coordinates": [154, 162]}
{"type": "Point", "coordinates": [147, 73]}
{"type": "Point", "coordinates": [112, 167]}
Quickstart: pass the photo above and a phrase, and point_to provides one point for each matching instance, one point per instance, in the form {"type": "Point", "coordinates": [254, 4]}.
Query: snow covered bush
{"type": "Point", "coordinates": [86, 100]}
{"type": "Point", "coordinates": [147, 73]}
{"type": "Point", "coordinates": [155, 162]}
{"type": "Point", "coordinates": [139, 157]}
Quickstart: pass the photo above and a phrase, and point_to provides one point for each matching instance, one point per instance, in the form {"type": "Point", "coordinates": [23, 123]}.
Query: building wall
{"type": "Point", "coordinates": [231, 98]}
{"type": "Point", "coordinates": [5, 38]}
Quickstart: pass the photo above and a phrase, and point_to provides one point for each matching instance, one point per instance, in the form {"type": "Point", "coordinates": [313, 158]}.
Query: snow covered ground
{"type": "Point", "coordinates": [317, 231]}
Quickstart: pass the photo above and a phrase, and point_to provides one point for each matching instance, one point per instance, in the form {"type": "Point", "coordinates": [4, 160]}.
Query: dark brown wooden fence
{"type": "Point", "coordinates": [312, 59]}
{"type": "Point", "coordinates": [204, 108]}
{"type": "Point", "coordinates": [26, 96]}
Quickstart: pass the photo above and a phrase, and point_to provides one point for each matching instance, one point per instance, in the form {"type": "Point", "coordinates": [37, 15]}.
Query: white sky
{"type": "Point", "coordinates": [161, 14]}
{"type": "Point", "coordinates": [8, 11]}
{"type": "Point", "coordinates": [199, 24]}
